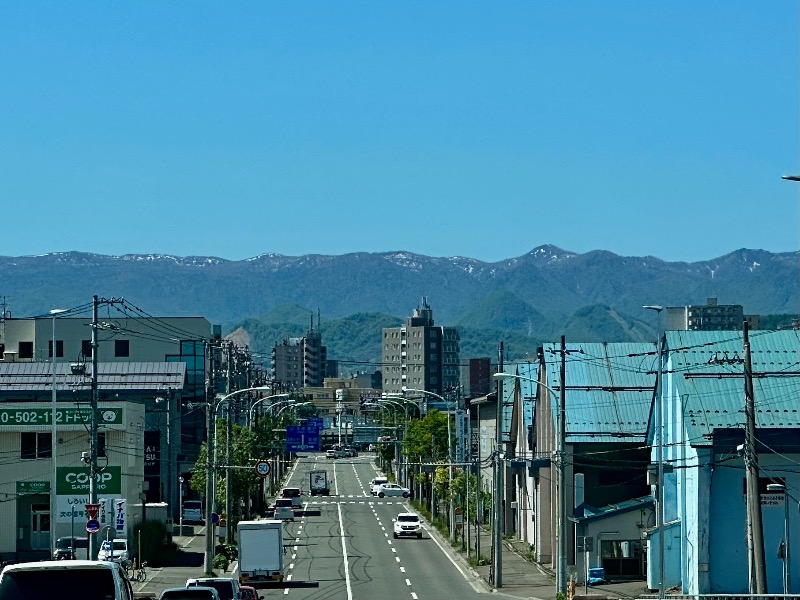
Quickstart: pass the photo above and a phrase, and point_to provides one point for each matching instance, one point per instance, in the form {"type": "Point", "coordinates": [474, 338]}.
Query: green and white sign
{"type": "Point", "coordinates": [73, 481]}
{"type": "Point", "coordinates": [64, 416]}
{"type": "Point", "coordinates": [33, 487]}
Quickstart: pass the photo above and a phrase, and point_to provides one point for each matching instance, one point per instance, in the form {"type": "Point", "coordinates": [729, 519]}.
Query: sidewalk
{"type": "Point", "coordinates": [521, 578]}
{"type": "Point", "coordinates": [191, 556]}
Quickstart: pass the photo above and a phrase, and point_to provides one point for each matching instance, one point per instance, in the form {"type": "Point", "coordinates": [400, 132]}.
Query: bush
{"type": "Point", "coordinates": [221, 562]}
{"type": "Point", "coordinates": [230, 551]}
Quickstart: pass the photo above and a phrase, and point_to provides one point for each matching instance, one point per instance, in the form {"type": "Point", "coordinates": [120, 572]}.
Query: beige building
{"type": "Point", "coordinates": [26, 473]}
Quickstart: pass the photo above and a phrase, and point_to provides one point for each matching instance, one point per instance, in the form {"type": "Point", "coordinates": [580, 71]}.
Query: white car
{"type": "Point", "coordinates": [116, 550]}
{"type": "Point", "coordinates": [407, 524]}
{"type": "Point", "coordinates": [392, 489]}
{"type": "Point", "coordinates": [283, 509]}
{"type": "Point", "coordinates": [375, 483]}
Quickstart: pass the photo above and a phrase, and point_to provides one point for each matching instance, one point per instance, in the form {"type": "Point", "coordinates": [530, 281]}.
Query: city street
{"type": "Point", "coordinates": [349, 549]}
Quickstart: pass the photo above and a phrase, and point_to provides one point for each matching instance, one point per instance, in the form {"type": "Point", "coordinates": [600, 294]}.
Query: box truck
{"type": "Point", "coordinates": [260, 551]}
{"type": "Point", "coordinates": [319, 483]}
{"type": "Point", "coordinates": [261, 556]}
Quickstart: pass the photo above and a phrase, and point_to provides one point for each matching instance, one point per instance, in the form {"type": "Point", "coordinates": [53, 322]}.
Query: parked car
{"type": "Point", "coordinates": [189, 593]}
{"type": "Point", "coordinates": [88, 579]}
{"type": "Point", "coordinates": [193, 511]}
{"type": "Point", "coordinates": [407, 524]}
{"type": "Point", "coordinates": [283, 509]}
{"type": "Point", "coordinates": [375, 483]}
{"type": "Point", "coordinates": [330, 453]}
{"type": "Point", "coordinates": [392, 489]}
{"type": "Point", "coordinates": [70, 548]}
{"type": "Point", "coordinates": [227, 587]}
{"type": "Point", "coordinates": [116, 550]}
{"type": "Point", "coordinates": [596, 575]}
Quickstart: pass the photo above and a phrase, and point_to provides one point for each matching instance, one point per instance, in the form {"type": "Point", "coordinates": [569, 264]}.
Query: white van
{"type": "Point", "coordinates": [193, 511]}
{"type": "Point", "coordinates": [376, 483]}
{"type": "Point", "coordinates": [86, 579]}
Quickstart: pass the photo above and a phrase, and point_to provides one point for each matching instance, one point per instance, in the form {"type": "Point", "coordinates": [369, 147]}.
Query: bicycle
{"type": "Point", "coordinates": [140, 574]}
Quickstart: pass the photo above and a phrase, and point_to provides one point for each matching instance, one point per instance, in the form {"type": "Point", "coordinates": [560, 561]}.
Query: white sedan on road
{"type": "Point", "coordinates": [392, 489]}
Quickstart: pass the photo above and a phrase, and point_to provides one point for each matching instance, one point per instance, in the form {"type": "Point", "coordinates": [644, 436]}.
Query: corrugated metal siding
{"type": "Point", "coordinates": [110, 376]}
{"type": "Point", "coordinates": [617, 381]}
{"type": "Point", "coordinates": [705, 373]}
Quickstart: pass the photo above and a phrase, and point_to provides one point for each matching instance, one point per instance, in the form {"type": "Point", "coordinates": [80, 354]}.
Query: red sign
{"type": "Point", "coordinates": [92, 510]}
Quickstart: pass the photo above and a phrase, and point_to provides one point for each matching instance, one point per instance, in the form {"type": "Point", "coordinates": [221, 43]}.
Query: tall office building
{"type": "Point", "coordinates": [420, 355]}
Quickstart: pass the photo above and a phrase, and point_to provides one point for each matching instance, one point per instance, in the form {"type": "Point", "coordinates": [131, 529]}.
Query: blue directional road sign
{"type": "Point", "coordinates": [302, 438]}
{"type": "Point", "coordinates": [315, 422]}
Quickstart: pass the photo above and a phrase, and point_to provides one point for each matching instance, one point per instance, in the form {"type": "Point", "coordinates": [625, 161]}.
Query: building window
{"type": "Point", "coordinates": [122, 348]}
{"type": "Point", "coordinates": [86, 347]}
{"type": "Point", "coordinates": [25, 350]}
{"type": "Point", "coordinates": [59, 348]}
{"type": "Point", "coordinates": [35, 445]}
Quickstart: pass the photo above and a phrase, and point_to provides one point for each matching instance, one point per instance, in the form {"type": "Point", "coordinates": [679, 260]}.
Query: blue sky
{"type": "Point", "coordinates": [479, 129]}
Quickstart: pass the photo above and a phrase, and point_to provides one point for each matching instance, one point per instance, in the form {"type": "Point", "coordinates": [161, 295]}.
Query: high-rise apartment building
{"type": "Point", "coordinates": [420, 355]}
{"type": "Point", "coordinates": [709, 317]}
{"type": "Point", "coordinates": [300, 362]}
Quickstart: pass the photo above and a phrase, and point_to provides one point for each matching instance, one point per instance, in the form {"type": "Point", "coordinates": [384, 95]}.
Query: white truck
{"type": "Point", "coordinates": [319, 483]}
{"type": "Point", "coordinates": [261, 556]}
{"type": "Point", "coordinates": [260, 551]}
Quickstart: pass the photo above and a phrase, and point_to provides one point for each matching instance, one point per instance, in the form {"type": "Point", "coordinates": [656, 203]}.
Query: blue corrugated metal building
{"type": "Point", "coordinates": [704, 416]}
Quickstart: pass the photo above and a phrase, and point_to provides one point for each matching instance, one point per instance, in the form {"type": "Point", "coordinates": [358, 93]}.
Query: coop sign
{"type": "Point", "coordinates": [64, 416]}
{"type": "Point", "coordinates": [75, 480]}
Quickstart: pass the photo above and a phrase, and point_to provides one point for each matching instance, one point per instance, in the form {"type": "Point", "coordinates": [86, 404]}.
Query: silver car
{"type": "Point", "coordinates": [392, 489]}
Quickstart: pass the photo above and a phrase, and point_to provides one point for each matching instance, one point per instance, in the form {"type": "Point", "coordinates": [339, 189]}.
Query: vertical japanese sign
{"type": "Point", "coordinates": [119, 521]}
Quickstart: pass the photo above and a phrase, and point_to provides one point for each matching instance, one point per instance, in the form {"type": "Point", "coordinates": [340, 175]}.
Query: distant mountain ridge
{"type": "Point", "coordinates": [532, 296]}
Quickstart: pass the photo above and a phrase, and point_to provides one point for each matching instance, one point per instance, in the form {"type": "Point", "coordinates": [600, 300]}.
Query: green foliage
{"type": "Point", "coordinates": [221, 562]}
{"type": "Point", "coordinates": [427, 437]}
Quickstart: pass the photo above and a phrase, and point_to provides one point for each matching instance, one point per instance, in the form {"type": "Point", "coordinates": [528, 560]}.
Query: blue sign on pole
{"type": "Point", "coordinates": [315, 422]}
{"type": "Point", "coordinates": [302, 438]}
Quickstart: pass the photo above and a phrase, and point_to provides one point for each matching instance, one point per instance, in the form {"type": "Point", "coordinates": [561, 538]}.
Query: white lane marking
{"type": "Point", "coordinates": [414, 595]}
{"type": "Point", "coordinates": [469, 580]}
{"type": "Point", "coordinates": [402, 569]}
{"type": "Point", "coordinates": [344, 555]}
{"type": "Point", "coordinates": [335, 480]}
{"type": "Point", "coordinates": [294, 556]}
{"type": "Point", "coordinates": [408, 582]}
{"type": "Point", "coordinates": [291, 566]}
{"type": "Point", "coordinates": [397, 558]}
{"type": "Point", "coordinates": [394, 550]}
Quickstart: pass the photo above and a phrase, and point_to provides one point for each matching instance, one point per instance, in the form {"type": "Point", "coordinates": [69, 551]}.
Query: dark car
{"type": "Point", "coordinates": [71, 548]}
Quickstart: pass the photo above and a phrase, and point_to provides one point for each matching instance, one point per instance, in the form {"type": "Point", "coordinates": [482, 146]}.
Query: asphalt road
{"type": "Point", "coordinates": [349, 548]}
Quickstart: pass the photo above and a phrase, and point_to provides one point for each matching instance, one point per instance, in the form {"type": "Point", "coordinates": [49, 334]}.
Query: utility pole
{"type": "Point", "coordinates": [210, 475]}
{"type": "Point", "coordinates": [755, 530]}
{"type": "Point", "coordinates": [228, 449]}
{"type": "Point", "coordinates": [93, 471]}
{"type": "Point", "coordinates": [561, 533]}
{"type": "Point", "coordinates": [497, 463]}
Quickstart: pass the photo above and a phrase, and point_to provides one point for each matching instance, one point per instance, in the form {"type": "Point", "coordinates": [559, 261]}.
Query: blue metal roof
{"type": "Point", "coordinates": [586, 512]}
{"type": "Point", "coordinates": [609, 389]}
{"type": "Point", "coordinates": [704, 379]}
{"type": "Point", "coordinates": [38, 376]}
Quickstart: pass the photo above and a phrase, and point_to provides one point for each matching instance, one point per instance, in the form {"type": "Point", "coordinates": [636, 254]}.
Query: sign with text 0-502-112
{"type": "Point", "coordinates": [64, 416]}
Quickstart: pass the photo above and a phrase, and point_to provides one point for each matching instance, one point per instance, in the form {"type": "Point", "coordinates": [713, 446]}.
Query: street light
{"type": "Point", "coordinates": [561, 480]}
{"type": "Point", "coordinates": [54, 437]}
{"type": "Point", "coordinates": [260, 400]}
{"type": "Point", "coordinates": [787, 578]}
{"type": "Point", "coordinates": [180, 506]}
